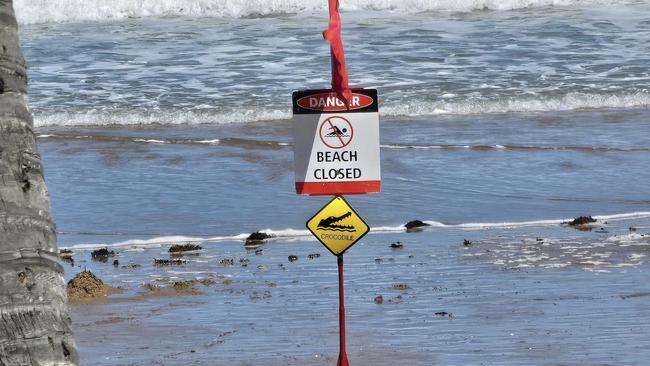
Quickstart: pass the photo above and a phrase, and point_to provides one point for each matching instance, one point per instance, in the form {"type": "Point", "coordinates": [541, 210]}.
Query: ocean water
{"type": "Point", "coordinates": [169, 121]}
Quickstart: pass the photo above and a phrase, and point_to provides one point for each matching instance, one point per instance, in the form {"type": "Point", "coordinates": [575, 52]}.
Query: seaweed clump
{"type": "Point", "coordinates": [581, 220]}
{"type": "Point", "coordinates": [168, 262]}
{"type": "Point", "coordinates": [85, 285]}
{"type": "Point", "coordinates": [180, 248]}
{"type": "Point", "coordinates": [102, 254]}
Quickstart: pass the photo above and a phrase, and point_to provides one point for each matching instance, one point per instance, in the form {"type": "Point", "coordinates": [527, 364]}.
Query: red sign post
{"type": "Point", "coordinates": [336, 151]}
{"type": "Point", "coordinates": [343, 355]}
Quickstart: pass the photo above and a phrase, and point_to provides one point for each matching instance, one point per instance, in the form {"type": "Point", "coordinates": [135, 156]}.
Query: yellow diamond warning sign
{"type": "Point", "coordinates": [337, 226]}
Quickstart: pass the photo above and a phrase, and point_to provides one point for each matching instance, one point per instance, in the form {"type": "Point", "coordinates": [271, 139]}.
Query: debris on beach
{"type": "Point", "coordinates": [401, 286]}
{"type": "Point", "coordinates": [466, 242]}
{"type": "Point", "coordinates": [632, 228]}
{"type": "Point", "coordinates": [293, 258]}
{"type": "Point", "coordinates": [65, 253]}
{"type": "Point", "coordinates": [181, 248]}
{"type": "Point", "coordinates": [397, 245]}
{"type": "Point", "coordinates": [379, 299]}
{"type": "Point", "coordinates": [313, 256]}
{"type": "Point", "coordinates": [227, 262]}
{"type": "Point", "coordinates": [444, 313]}
{"type": "Point", "coordinates": [396, 300]}
{"type": "Point", "coordinates": [151, 287]}
{"type": "Point", "coordinates": [102, 254]}
{"type": "Point", "coordinates": [581, 221]}
{"type": "Point", "coordinates": [85, 285]}
{"type": "Point", "coordinates": [168, 262]}
{"type": "Point", "coordinates": [206, 282]}
{"type": "Point", "coordinates": [415, 225]}
{"type": "Point", "coordinates": [254, 296]}
{"type": "Point", "coordinates": [66, 256]}
{"type": "Point", "coordinates": [257, 238]}
{"type": "Point", "coordinates": [186, 287]}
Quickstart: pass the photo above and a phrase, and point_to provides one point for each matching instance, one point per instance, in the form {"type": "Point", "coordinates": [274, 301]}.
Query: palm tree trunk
{"type": "Point", "coordinates": [34, 321]}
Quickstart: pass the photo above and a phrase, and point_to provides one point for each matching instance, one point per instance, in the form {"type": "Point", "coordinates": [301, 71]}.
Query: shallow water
{"type": "Point", "coordinates": [227, 180]}
{"type": "Point", "coordinates": [509, 304]}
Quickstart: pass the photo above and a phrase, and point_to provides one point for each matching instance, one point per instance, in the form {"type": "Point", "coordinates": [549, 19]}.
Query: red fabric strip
{"type": "Point", "coordinates": [333, 36]}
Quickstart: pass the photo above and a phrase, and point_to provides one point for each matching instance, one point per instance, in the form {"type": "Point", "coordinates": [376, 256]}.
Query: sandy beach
{"type": "Point", "coordinates": [540, 294]}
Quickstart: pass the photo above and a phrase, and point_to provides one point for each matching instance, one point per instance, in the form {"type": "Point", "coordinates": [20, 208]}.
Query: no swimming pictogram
{"type": "Point", "coordinates": [336, 132]}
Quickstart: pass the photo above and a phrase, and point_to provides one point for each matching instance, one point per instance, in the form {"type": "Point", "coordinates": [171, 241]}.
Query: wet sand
{"type": "Point", "coordinates": [547, 295]}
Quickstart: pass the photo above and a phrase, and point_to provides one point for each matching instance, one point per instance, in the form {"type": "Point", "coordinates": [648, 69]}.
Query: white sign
{"type": "Point", "coordinates": [336, 146]}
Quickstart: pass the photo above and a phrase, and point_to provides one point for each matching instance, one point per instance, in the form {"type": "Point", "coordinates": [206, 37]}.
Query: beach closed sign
{"type": "Point", "coordinates": [336, 145]}
{"type": "Point", "coordinates": [337, 226]}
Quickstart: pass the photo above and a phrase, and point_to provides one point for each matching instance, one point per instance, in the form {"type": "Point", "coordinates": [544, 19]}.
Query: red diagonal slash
{"type": "Point", "coordinates": [329, 120]}
{"type": "Point", "coordinates": [333, 36]}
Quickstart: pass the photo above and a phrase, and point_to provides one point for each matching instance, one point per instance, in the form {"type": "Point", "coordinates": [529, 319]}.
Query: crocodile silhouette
{"type": "Point", "coordinates": [330, 223]}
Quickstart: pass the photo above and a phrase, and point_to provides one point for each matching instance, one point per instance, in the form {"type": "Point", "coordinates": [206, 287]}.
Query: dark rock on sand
{"type": "Point", "coordinates": [85, 285]}
{"type": "Point", "coordinates": [257, 238]}
{"type": "Point", "coordinates": [313, 256]}
{"type": "Point", "coordinates": [415, 225]}
{"type": "Point", "coordinates": [168, 262]}
{"type": "Point", "coordinates": [467, 243]}
{"type": "Point", "coordinates": [180, 248]}
{"type": "Point", "coordinates": [581, 220]}
{"type": "Point", "coordinates": [293, 258]}
{"type": "Point", "coordinates": [397, 245]}
{"type": "Point", "coordinates": [116, 263]}
{"type": "Point", "coordinates": [102, 254]}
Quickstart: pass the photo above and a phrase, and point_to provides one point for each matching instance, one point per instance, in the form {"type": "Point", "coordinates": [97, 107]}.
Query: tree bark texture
{"type": "Point", "coordinates": [34, 321]}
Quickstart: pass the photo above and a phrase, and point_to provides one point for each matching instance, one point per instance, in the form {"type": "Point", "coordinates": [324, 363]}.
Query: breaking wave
{"type": "Point", "coordinates": [46, 11]}
{"type": "Point", "coordinates": [294, 234]}
{"type": "Point", "coordinates": [185, 116]}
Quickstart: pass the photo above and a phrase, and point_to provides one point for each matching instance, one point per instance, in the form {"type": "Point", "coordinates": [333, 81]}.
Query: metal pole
{"type": "Point", "coordinates": [343, 357]}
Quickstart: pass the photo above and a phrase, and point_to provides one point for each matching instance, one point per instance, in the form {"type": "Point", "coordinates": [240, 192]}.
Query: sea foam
{"type": "Point", "coordinates": [293, 234]}
{"type": "Point", "coordinates": [185, 116]}
{"type": "Point", "coordinates": [45, 11]}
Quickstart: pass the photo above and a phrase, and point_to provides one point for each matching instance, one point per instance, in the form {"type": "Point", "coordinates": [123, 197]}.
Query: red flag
{"type": "Point", "coordinates": [333, 36]}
